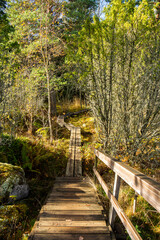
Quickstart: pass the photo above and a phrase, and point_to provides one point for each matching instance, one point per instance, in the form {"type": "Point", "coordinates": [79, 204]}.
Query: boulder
{"type": "Point", "coordinates": [13, 184]}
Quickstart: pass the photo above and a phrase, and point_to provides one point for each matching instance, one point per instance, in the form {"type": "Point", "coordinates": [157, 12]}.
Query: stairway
{"type": "Point", "coordinates": [71, 212]}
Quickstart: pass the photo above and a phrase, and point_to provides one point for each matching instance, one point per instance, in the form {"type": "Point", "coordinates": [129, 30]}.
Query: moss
{"type": "Point", "coordinates": [3, 158]}
{"type": "Point", "coordinates": [5, 167]}
{"type": "Point", "coordinates": [9, 176]}
{"type": "Point", "coordinates": [11, 216]}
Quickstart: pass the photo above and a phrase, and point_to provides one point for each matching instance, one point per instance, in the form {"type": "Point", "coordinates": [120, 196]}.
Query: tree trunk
{"type": "Point", "coordinates": [53, 102]}
{"type": "Point", "coordinates": [49, 105]}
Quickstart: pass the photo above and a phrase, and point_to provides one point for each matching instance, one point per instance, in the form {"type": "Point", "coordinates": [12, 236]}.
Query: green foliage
{"type": "Point", "coordinates": [25, 159]}
{"type": "Point", "coordinates": [146, 219]}
{"type": "Point", "coordinates": [35, 157]}
{"type": "Point", "coordinates": [11, 217]}
{"type": "Point", "coordinates": [76, 12]}
{"type": "Point", "coordinates": [11, 149]}
{"type": "Point", "coordinates": [8, 66]}
{"type": "Point", "coordinates": [43, 132]}
{"type": "Point", "coordinates": [14, 151]}
{"type": "Point", "coordinates": [120, 65]}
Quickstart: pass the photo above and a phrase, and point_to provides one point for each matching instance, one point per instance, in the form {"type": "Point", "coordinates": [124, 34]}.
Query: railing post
{"type": "Point", "coordinates": [95, 166]}
{"type": "Point", "coordinates": [116, 188]}
{"type": "Point", "coordinates": [135, 202]}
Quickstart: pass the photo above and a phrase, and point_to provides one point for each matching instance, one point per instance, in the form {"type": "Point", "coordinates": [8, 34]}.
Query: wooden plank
{"type": "Point", "coordinates": [143, 185]}
{"type": "Point", "coordinates": [70, 165]}
{"type": "Point", "coordinates": [75, 190]}
{"type": "Point", "coordinates": [116, 188]}
{"type": "Point", "coordinates": [83, 236]}
{"type": "Point", "coordinates": [56, 206]}
{"type": "Point", "coordinates": [70, 179]}
{"type": "Point", "coordinates": [60, 120]}
{"type": "Point", "coordinates": [135, 202]}
{"type": "Point", "coordinates": [83, 187]}
{"type": "Point", "coordinates": [73, 212]}
{"type": "Point", "coordinates": [69, 223]}
{"type": "Point", "coordinates": [78, 162]}
{"type": "Point", "coordinates": [64, 201]}
{"type": "Point", "coordinates": [69, 169]}
{"type": "Point", "coordinates": [74, 165]}
{"type": "Point", "coordinates": [57, 217]}
{"type": "Point", "coordinates": [78, 168]}
{"type": "Point", "coordinates": [71, 230]}
{"type": "Point", "coordinates": [72, 195]}
{"type": "Point", "coordinates": [69, 126]}
{"type": "Point", "coordinates": [72, 185]}
{"type": "Point", "coordinates": [125, 220]}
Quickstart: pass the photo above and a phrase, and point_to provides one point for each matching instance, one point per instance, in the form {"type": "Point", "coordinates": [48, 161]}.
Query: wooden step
{"type": "Point", "coordinates": [64, 217]}
{"type": "Point", "coordinates": [70, 200]}
{"type": "Point", "coordinates": [69, 223]}
{"type": "Point", "coordinates": [71, 195]}
{"type": "Point", "coordinates": [72, 237]}
{"type": "Point", "coordinates": [72, 185]}
{"type": "Point", "coordinates": [50, 229]}
{"type": "Point", "coordinates": [73, 212]}
{"type": "Point", "coordinates": [69, 206]}
{"type": "Point", "coordinates": [74, 189]}
{"type": "Point", "coordinates": [70, 179]}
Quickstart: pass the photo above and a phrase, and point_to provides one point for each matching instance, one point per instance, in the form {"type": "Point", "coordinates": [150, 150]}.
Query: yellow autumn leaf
{"type": "Point", "coordinates": [138, 152]}
{"type": "Point", "coordinates": [125, 159]}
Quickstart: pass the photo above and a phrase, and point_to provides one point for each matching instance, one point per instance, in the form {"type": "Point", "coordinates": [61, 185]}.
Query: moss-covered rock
{"type": "Point", "coordinates": [12, 182]}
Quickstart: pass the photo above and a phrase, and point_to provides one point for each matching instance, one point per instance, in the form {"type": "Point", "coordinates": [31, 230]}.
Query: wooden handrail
{"type": "Point", "coordinates": [125, 220]}
{"type": "Point", "coordinates": [143, 185]}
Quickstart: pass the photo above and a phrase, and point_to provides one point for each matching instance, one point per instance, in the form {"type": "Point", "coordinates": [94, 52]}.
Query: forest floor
{"type": "Point", "coordinates": [43, 162]}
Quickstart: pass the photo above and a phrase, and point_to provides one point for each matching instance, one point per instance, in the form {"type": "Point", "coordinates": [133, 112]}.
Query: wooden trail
{"type": "Point", "coordinates": [72, 211]}
{"type": "Point", "coordinates": [74, 166]}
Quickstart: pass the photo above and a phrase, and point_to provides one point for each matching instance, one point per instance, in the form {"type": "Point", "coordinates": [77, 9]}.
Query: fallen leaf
{"type": "Point", "coordinates": [81, 238]}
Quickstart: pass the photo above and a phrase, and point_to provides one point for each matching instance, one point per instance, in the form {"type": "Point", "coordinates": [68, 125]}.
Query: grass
{"type": "Point", "coordinates": [70, 106]}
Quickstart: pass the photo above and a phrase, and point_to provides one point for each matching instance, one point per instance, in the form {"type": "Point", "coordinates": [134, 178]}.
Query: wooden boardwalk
{"type": "Point", "coordinates": [74, 166]}
{"type": "Point", "coordinates": [72, 211]}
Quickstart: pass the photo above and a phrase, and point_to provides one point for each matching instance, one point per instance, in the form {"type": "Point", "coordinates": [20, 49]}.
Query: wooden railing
{"type": "Point", "coordinates": [143, 185]}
